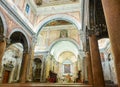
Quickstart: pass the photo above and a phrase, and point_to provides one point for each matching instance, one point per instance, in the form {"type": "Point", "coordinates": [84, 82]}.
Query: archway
{"type": "Point", "coordinates": [19, 36]}
{"type": "Point", "coordinates": [56, 35]}
{"type": "Point", "coordinates": [65, 17]}
{"type": "Point", "coordinates": [37, 69]}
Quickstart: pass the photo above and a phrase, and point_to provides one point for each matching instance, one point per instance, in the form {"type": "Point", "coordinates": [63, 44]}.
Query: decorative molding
{"type": "Point", "coordinates": [16, 16]}
{"type": "Point", "coordinates": [53, 9]}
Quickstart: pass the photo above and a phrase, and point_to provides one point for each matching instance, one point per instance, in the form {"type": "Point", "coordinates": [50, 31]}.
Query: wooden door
{"type": "Point", "coordinates": [6, 76]}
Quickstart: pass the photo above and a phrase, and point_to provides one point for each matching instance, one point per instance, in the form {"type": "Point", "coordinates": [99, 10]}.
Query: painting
{"type": "Point", "coordinates": [67, 68]}
{"type": "Point", "coordinates": [63, 33]}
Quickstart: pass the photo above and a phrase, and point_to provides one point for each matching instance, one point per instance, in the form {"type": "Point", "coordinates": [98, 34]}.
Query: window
{"type": "Point", "coordinates": [27, 8]}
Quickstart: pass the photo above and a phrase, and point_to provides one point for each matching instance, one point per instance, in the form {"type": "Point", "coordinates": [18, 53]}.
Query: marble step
{"type": "Point", "coordinates": [48, 85]}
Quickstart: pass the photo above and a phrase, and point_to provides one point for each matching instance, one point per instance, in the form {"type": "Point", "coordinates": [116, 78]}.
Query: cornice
{"type": "Point", "coordinates": [16, 16]}
{"type": "Point", "coordinates": [55, 9]}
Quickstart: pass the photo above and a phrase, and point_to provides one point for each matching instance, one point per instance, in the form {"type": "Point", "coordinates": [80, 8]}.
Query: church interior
{"type": "Point", "coordinates": [72, 43]}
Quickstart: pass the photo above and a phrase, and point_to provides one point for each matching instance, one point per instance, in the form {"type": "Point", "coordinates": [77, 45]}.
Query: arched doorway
{"type": "Point", "coordinates": [37, 70]}
{"type": "Point", "coordinates": [19, 36]}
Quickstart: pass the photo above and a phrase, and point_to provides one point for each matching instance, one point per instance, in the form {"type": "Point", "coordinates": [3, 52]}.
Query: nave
{"type": "Point", "coordinates": [59, 43]}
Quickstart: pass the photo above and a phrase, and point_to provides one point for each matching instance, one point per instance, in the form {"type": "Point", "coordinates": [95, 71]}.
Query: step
{"type": "Point", "coordinates": [49, 85]}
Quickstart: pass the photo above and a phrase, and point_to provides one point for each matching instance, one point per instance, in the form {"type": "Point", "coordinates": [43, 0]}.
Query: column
{"type": "Point", "coordinates": [24, 66]}
{"type": "Point", "coordinates": [96, 62]}
{"type": "Point", "coordinates": [42, 69]}
{"type": "Point", "coordinates": [83, 69]}
{"type": "Point", "coordinates": [30, 75]}
{"type": "Point", "coordinates": [112, 15]}
{"type": "Point", "coordinates": [2, 47]}
{"type": "Point", "coordinates": [2, 50]}
{"type": "Point", "coordinates": [33, 43]}
{"type": "Point", "coordinates": [89, 69]}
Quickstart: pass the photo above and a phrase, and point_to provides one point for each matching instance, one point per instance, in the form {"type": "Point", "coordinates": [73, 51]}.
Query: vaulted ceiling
{"type": "Point", "coordinates": [65, 48]}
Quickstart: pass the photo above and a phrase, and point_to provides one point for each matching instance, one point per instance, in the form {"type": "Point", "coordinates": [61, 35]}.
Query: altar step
{"type": "Point", "coordinates": [48, 85]}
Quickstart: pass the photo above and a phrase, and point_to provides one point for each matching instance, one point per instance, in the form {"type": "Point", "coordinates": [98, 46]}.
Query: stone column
{"type": "Point", "coordinates": [2, 47]}
{"type": "Point", "coordinates": [2, 50]}
{"type": "Point", "coordinates": [24, 66]}
{"type": "Point", "coordinates": [83, 70]}
{"type": "Point", "coordinates": [112, 15]}
{"type": "Point", "coordinates": [34, 41]}
{"type": "Point", "coordinates": [89, 68]}
{"type": "Point", "coordinates": [30, 75]}
{"type": "Point", "coordinates": [96, 62]}
{"type": "Point", "coordinates": [42, 70]}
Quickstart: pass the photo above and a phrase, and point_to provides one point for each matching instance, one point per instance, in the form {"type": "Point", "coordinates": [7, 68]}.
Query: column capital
{"type": "Point", "coordinates": [96, 29]}
{"type": "Point", "coordinates": [2, 38]}
{"type": "Point", "coordinates": [8, 41]}
{"type": "Point", "coordinates": [25, 52]}
{"type": "Point", "coordinates": [90, 31]}
{"type": "Point", "coordinates": [34, 40]}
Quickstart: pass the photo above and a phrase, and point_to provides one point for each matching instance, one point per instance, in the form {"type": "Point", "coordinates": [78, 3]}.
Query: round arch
{"type": "Point", "coordinates": [4, 23]}
{"type": "Point", "coordinates": [65, 17]}
{"type": "Point", "coordinates": [64, 39]}
{"type": "Point", "coordinates": [23, 32]}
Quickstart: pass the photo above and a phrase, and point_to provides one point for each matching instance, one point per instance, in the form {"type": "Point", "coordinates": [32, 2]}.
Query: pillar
{"type": "Point", "coordinates": [96, 62]}
{"type": "Point", "coordinates": [30, 75]}
{"type": "Point", "coordinates": [24, 66]}
{"type": "Point", "coordinates": [2, 50]}
{"type": "Point", "coordinates": [112, 15]}
{"type": "Point", "coordinates": [83, 69]}
{"type": "Point", "coordinates": [2, 47]}
{"type": "Point", "coordinates": [33, 43]}
{"type": "Point", "coordinates": [89, 69]}
{"type": "Point", "coordinates": [42, 70]}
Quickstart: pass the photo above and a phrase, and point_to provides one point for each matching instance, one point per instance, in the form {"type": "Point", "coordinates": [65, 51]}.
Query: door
{"type": "Point", "coordinates": [6, 76]}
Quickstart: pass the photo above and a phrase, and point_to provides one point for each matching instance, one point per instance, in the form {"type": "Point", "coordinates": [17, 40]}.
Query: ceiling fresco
{"type": "Point", "coordinates": [58, 22]}
{"type": "Point", "coordinates": [53, 2]}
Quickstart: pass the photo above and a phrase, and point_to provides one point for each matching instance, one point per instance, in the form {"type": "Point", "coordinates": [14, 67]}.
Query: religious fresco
{"type": "Point", "coordinates": [67, 68]}
{"type": "Point", "coordinates": [53, 2]}
{"type": "Point", "coordinates": [58, 22]}
{"type": "Point", "coordinates": [63, 33]}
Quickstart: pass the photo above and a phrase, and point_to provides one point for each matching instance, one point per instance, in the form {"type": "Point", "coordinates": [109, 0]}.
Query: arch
{"type": "Point", "coordinates": [24, 34]}
{"type": "Point", "coordinates": [4, 23]}
{"type": "Point", "coordinates": [37, 60]}
{"type": "Point", "coordinates": [65, 17]}
{"type": "Point", "coordinates": [64, 39]}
